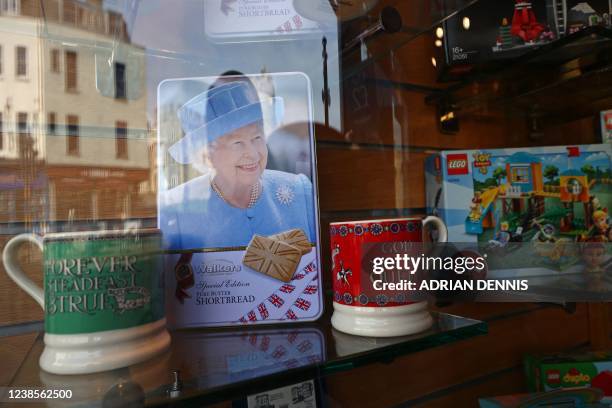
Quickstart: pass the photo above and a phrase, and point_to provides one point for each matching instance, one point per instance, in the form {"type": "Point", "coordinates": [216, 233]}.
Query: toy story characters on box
{"type": "Point", "coordinates": [476, 207]}
{"type": "Point", "coordinates": [600, 232]}
{"type": "Point", "coordinates": [553, 198]}
{"type": "Point", "coordinates": [502, 237]}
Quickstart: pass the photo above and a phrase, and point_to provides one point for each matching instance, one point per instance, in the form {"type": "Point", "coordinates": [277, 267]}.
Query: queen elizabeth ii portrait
{"type": "Point", "coordinates": [236, 194]}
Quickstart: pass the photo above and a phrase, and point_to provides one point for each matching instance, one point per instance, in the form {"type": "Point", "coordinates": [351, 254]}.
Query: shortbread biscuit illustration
{"type": "Point", "coordinates": [272, 257]}
{"type": "Point", "coordinates": [296, 238]}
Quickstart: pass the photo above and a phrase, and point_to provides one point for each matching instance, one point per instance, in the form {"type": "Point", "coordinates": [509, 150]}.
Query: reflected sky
{"type": "Point", "coordinates": [177, 46]}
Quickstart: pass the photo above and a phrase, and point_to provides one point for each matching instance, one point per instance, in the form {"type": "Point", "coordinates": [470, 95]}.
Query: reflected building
{"type": "Point", "coordinates": [170, 126]}
{"type": "Point", "coordinates": [74, 135]}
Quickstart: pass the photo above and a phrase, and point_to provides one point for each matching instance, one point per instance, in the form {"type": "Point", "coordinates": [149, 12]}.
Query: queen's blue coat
{"type": "Point", "coordinates": [193, 216]}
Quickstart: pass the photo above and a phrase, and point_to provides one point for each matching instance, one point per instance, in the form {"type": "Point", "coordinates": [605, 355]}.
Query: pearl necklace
{"type": "Point", "coordinates": [255, 193]}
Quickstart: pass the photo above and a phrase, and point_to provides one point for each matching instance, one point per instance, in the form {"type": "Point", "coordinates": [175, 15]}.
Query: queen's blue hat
{"type": "Point", "coordinates": [217, 112]}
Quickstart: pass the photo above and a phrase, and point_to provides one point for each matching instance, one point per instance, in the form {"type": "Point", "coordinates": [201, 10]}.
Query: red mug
{"type": "Point", "coordinates": [356, 309]}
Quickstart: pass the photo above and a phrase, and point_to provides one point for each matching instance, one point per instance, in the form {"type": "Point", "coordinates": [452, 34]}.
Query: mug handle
{"type": "Point", "coordinates": [440, 226]}
{"type": "Point", "coordinates": [14, 271]}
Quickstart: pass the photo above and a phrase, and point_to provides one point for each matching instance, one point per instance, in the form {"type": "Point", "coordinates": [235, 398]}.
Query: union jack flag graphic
{"type": "Point", "coordinates": [310, 289]}
{"type": "Point", "coordinates": [243, 320]}
{"type": "Point", "coordinates": [253, 339]}
{"type": "Point", "coordinates": [299, 276]}
{"type": "Point", "coordinates": [291, 315]}
{"type": "Point", "coordinates": [263, 311]}
{"type": "Point", "coordinates": [291, 337]}
{"type": "Point", "coordinates": [304, 346]}
{"type": "Point", "coordinates": [286, 26]}
{"type": "Point", "coordinates": [265, 343]}
{"type": "Point", "coordinates": [276, 300]}
{"type": "Point", "coordinates": [302, 304]}
{"type": "Point", "coordinates": [251, 316]}
{"type": "Point", "coordinates": [311, 267]}
{"type": "Point", "coordinates": [287, 288]}
{"type": "Point", "coordinates": [297, 20]}
{"type": "Point", "coordinates": [279, 352]}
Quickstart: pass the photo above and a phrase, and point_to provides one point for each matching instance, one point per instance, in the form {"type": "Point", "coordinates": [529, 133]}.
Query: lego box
{"type": "Point", "coordinates": [562, 371]}
{"type": "Point", "coordinates": [492, 32]}
{"type": "Point", "coordinates": [549, 197]}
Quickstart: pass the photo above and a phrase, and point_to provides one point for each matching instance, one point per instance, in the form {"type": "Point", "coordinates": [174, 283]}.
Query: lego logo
{"type": "Point", "coordinates": [456, 164]}
{"type": "Point", "coordinates": [553, 376]}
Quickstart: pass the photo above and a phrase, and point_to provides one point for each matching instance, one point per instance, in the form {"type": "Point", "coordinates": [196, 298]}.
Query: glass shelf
{"type": "Point", "coordinates": [577, 64]}
{"type": "Point", "coordinates": [221, 364]}
{"type": "Point", "coordinates": [418, 19]}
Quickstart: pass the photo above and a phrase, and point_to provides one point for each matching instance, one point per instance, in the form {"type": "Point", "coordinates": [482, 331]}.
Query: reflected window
{"type": "Point", "coordinates": [55, 60]}
{"type": "Point", "coordinates": [71, 71]}
{"type": "Point", "coordinates": [72, 135]}
{"type": "Point", "coordinates": [80, 16]}
{"type": "Point", "coordinates": [51, 123]}
{"type": "Point", "coordinates": [22, 127]}
{"type": "Point", "coordinates": [116, 24]}
{"type": "Point", "coordinates": [10, 6]}
{"type": "Point", "coordinates": [22, 123]}
{"type": "Point", "coordinates": [69, 12]}
{"type": "Point", "coordinates": [120, 84]}
{"type": "Point", "coordinates": [21, 61]}
{"type": "Point", "coordinates": [121, 146]}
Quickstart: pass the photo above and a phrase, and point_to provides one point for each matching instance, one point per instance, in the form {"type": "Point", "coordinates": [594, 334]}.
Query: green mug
{"type": "Point", "coordinates": [102, 297]}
